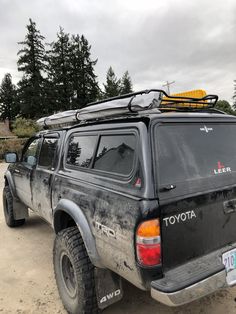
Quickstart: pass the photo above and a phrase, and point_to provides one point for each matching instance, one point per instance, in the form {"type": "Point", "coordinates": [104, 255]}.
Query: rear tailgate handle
{"type": "Point", "coordinates": [167, 187]}
{"type": "Point", "coordinates": [229, 206]}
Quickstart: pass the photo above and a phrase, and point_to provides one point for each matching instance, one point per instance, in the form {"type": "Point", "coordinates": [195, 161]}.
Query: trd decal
{"type": "Point", "coordinates": [105, 230]}
{"type": "Point", "coordinates": [221, 168]}
{"type": "Point", "coordinates": [179, 218]}
{"type": "Point", "coordinates": [206, 129]}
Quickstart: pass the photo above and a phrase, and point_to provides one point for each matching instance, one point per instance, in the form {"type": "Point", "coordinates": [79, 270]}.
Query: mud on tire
{"type": "Point", "coordinates": [8, 209]}
{"type": "Point", "coordinates": [74, 273]}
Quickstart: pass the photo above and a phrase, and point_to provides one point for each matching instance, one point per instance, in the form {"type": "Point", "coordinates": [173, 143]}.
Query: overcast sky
{"type": "Point", "coordinates": [191, 42]}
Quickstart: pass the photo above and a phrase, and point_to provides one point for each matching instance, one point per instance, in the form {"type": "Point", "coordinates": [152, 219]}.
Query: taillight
{"type": "Point", "coordinates": [148, 243]}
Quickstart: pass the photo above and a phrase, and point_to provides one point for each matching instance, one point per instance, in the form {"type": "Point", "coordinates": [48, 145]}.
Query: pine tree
{"type": "Point", "coordinates": [83, 78]}
{"type": "Point", "coordinates": [8, 106]}
{"type": "Point", "coordinates": [234, 96]}
{"type": "Point", "coordinates": [32, 63]}
{"type": "Point", "coordinates": [224, 105]}
{"type": "Point", "coordinates": [126, 84]}
{"type": "Point", "coordinates": [59, 72]}
{"type": "Point", "coordinates": [113, 85]}
{"type": "Point", "coordinates": [50, 97]}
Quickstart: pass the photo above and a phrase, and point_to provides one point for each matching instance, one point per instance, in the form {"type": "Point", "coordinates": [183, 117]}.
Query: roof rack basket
{"type": "Point", "coordinates": [155, 100]}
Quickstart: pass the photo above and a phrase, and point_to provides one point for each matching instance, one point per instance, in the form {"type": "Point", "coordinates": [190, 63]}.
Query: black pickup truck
{"type": "Point", "coordinates": [141, 187]}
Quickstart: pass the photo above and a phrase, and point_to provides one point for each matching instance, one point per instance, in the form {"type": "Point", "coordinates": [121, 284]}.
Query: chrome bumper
{"type": "Point", "coordinates": [193, 292]}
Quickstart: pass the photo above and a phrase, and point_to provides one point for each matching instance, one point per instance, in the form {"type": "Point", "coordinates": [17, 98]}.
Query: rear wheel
{"type": "Point", "coordinates": [8, 209]}
{"type": "Point", "coordinates": [74, 273]}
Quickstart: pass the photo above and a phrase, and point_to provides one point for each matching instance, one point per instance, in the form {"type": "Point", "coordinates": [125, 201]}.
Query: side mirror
{"type": "Point", "coordinates": [31, 160]}
{"type": "Point", "coordinates": [11, 157]}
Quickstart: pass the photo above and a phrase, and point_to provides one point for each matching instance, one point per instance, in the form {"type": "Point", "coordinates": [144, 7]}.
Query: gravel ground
{"type": "Point", "coordinates": [27, 282]}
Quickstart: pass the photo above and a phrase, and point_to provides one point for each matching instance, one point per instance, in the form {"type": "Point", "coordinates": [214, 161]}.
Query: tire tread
{"type": "Point", "coordinates": [9, 215]}
{"type": "Point", "coordinates": [84, 269]}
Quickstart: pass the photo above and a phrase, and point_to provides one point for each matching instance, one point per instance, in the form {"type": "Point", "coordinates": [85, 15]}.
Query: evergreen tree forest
{"type": "Point", "coordinates": [60, 76]}
{"type": "Point", "coordinates": [56, 76]}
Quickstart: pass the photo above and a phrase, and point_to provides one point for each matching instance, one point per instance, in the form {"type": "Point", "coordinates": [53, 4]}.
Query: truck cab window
{"type": "Point", "coordinates": [47, 153]}
{"type": "Point", "coordinates": [29, 156]}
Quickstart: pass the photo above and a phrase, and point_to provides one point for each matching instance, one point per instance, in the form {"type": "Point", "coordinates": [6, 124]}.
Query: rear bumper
{"type": "Point", "coordinates": [193, 292]}
{"type": "Point", "coordinates": [193, 280]}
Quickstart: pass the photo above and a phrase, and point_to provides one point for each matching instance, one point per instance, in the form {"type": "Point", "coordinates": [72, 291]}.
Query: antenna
{"type": "Point", "coordinates": [168, 86]}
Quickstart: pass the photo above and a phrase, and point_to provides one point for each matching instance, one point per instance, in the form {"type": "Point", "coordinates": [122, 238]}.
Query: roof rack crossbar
{"type": "Point", "coordinates": [178, 101]}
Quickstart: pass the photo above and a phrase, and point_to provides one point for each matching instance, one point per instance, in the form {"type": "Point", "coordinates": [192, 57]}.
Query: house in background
{"type": "Point", "coordinates": [5, 132]}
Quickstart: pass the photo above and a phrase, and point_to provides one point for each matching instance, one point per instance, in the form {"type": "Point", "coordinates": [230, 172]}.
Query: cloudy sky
{"type": "Point", "coordinates": [191, 42]}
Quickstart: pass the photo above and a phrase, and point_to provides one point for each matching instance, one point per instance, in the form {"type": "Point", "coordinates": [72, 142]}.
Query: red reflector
{"type": "Point", "coordinates": [138, 183]}
{"type": "Point", "coordinates": [149, 255]}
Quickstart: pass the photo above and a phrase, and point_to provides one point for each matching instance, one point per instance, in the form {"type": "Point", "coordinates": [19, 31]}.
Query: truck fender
{"type": "Point", "coordinates": [80, 219]}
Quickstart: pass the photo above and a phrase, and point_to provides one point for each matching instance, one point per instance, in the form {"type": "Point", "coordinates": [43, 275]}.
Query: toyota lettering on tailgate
{"type": "Point", "coordinates": [183, 217]}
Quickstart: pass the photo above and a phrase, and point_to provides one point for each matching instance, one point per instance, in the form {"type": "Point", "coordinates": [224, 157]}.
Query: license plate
{"type": "Point", "coordinates": [229, 261]}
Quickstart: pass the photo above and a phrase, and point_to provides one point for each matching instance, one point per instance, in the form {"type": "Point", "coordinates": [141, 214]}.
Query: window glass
{"type": "Point", "coordinates": [196, 151]}
{"type": "Point", "coordinates": [81, 150]}
{"type": "Point", "coordinates": [115, 154]}
{"type": "Point", "coordinates": [30, 154]}
{"type": "Point", "coordinates": [47, 152]}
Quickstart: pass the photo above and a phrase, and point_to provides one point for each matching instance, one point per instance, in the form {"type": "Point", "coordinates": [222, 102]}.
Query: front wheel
{"type": "Point", "coordinates": [74, 273]}
{"type": "Point", "coordinates": [8, 209]}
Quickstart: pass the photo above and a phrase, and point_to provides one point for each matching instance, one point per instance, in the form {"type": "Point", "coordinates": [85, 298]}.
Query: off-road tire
{"type": "Point", "coordinates": [77, 290]}
{"type": "Point", "coordinates": [8, 209]}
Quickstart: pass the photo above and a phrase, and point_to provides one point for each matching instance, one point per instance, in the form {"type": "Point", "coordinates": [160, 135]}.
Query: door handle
{"type": "Point", "coordinates": [46, 181]}
{"type": "Point", "coordinates": [17, 171]}
{"type": "Point", "coordinates": [229, 206]}
{"type": "Point", "coordinates": [167, 188]}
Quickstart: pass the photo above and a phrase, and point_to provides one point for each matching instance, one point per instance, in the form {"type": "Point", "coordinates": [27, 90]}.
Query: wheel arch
{"type": "Point", "coordinates": [68, 214]}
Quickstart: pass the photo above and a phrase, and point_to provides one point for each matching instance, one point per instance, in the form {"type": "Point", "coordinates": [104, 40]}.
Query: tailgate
{"type": "Point", "coordinates": [197, 189]}
{"type": "Point", "coordinates": [197, 226]}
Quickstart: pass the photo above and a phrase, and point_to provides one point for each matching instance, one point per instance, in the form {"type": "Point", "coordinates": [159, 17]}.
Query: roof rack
{"type": "Point", "coordinates": [152, 100]}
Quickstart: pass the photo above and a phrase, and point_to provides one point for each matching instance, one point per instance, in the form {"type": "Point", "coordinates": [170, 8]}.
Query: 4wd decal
{"type": "Point", "coordinates": [110, 296]}
{"type": "Point", "coordinates": [206, 129]}
{"type": "Point", "coordinates": [221, 168]}
{"type": "Point", "coordinates": [179, 218]}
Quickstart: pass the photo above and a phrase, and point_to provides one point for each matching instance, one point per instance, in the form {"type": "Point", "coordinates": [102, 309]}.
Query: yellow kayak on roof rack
{"type": "Point", "coordinates": [197, 93]}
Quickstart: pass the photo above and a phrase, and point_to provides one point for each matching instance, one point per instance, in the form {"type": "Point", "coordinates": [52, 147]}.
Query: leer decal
{"type": "Point", "coordinates": [221, 168]}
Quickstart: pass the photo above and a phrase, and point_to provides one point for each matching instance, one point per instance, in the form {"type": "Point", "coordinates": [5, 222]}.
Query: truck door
{"type": "Point", "coordinates": [41, 184]}
{"type": "Point", "coordinates": [24, 171]}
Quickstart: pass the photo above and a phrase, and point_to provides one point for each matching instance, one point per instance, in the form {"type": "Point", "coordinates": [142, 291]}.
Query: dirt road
{"type": "Point", "coordinates": [27, 282]}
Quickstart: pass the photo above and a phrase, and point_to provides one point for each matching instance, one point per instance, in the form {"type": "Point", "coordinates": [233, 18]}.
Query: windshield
{"type": "Point", "coordinates": [195, 151]}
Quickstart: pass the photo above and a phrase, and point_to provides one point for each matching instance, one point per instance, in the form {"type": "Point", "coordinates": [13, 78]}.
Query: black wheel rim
{"type": "Point", "coordinates": [68, 275]}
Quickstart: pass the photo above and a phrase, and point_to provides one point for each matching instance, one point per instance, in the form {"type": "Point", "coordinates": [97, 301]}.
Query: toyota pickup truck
{"type": "Point", "coordinates": [141, 187]}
